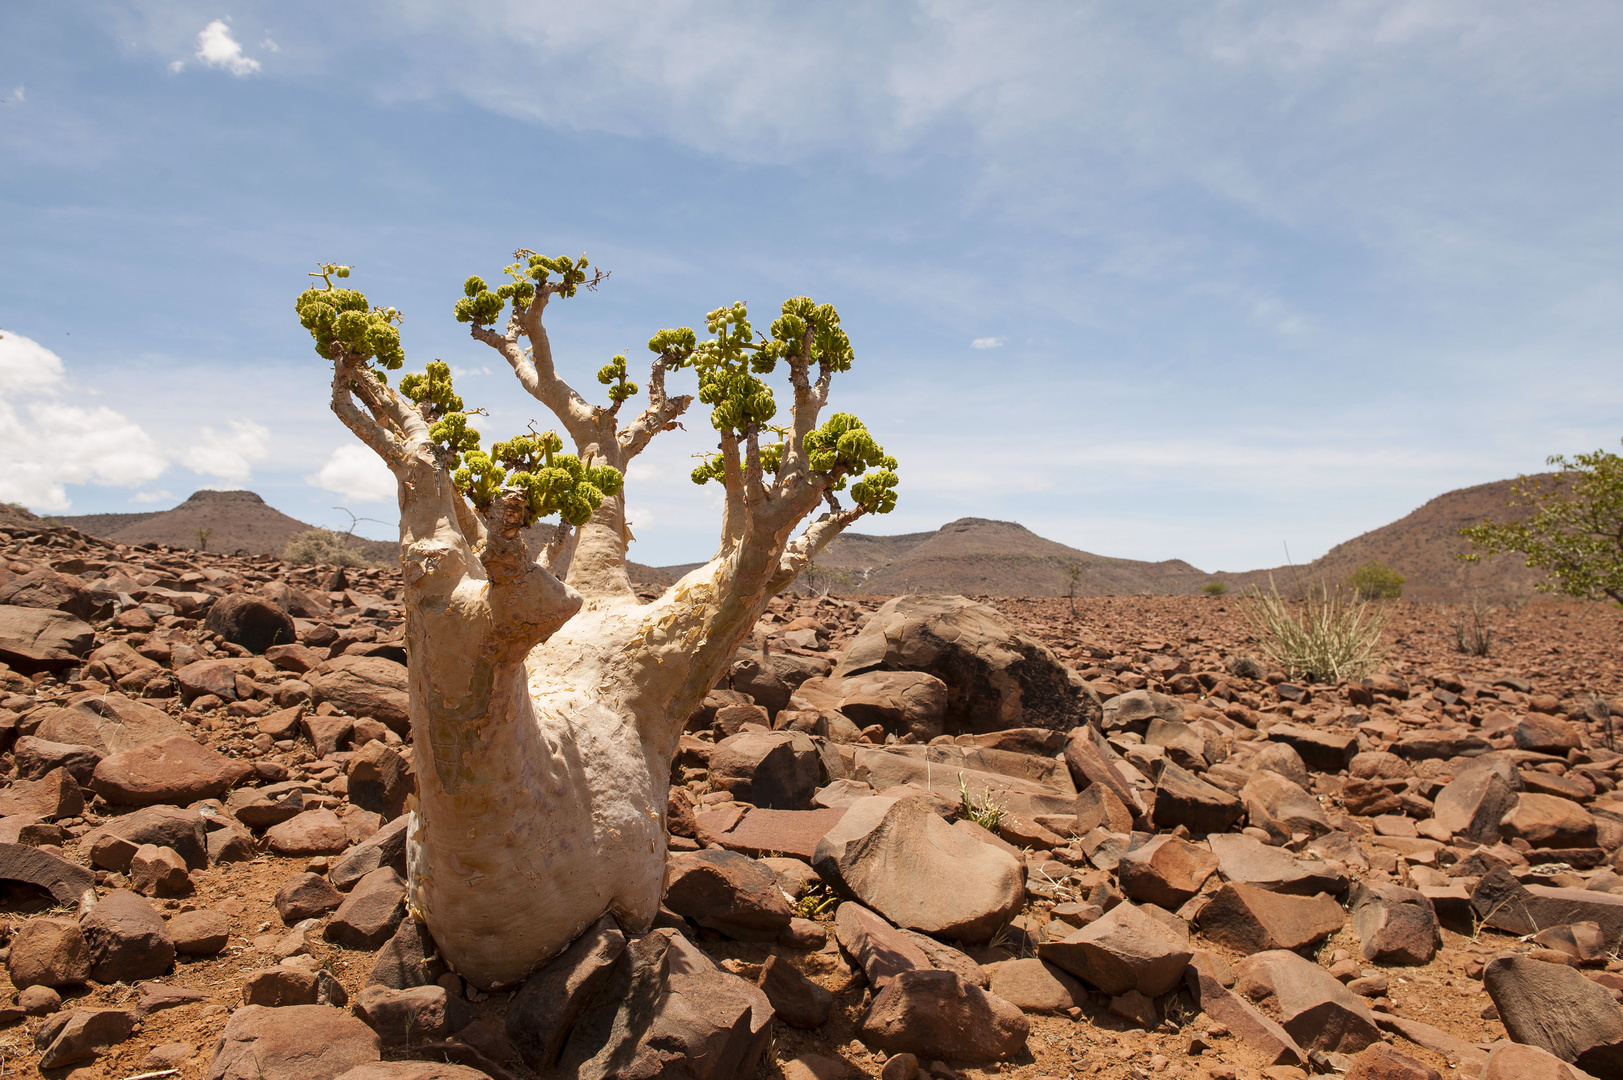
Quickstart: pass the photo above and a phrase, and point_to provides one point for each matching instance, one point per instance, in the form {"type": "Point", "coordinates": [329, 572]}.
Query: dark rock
{"type": "Point", "coordinates": [127, 938]}
{"type": "Point", "coordinates": [1125, 950]}
{"type": "Point", "coordinates": [380, 780]}
{"type": "Point", "coordinates": [407, 959]}
{"type": "Point", "coordinates": [246, 620]}
{"type": "Point", "coordinates": [939, 1013]}
{"type": "Point", "coordinates": [1182, 798]}
{"type": "Point", "coordinates": [35, 757]}
{"type": "Point", "coordinates": [82, 1035]}
{"type": "Point", "coordinates": [1317, 1011]}
{"type": "Point", "coordinates": [398, 1016]}
{"type": "Point", "coordinates": [728, 892]}
{"type": "Point", "coordinates": [369, 915]}
{"type": "Point", "coordinates": [306, 896]}
{"type": "Point", "coordinates": [546, 1007]}
{"type": "Point", "coordinates": [775, 770]}
{"type": "Point", "coordinates": [797, 1000]}
{"type": "Point", "coordinates": [66, 882]}
{"type": "Point", "coordinates": [1395, 925]}
{"type": "Point", "coordinates": [1553, 1007]}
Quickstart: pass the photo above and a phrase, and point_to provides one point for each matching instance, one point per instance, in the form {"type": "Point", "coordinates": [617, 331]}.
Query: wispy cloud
{"type": "Point", "coordinates": [986, 343]}
{"type": "Point", "coordinates": [150, 497]}
{"type": "Point", "coordinates": [357, 474]}
{"type": "Point", "coordinates": [217, 48]}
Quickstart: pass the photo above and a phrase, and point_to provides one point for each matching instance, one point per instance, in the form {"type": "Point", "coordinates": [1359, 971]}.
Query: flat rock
{"type": "Point", "coordinates": [386, 847]}
{"type": "Point", "coordinates": [369, 915]}
{"type": "Point", "coordinates": [54, 795]}
{"type": "Point", "coordinates": [879, 949]}
{"type": "Point", "coordinates": [40, 639]}
{"type": "Point", "coordinates": [1378, 1061]}
{"type": "Point", "coordinates": [68, 883]}
{"type": "Point", "coordinates": [300, 1042]}
{"type": "Point", "coordinates": [1251, 920]}
{"type": "Point", "coordinates": [398, 1016]}
{"type": "Point", "coordinates": [364, 686]}
{"type": "Point", "coordinates": [1182, 798]}
{"type": "Point", "coordinates": [1125, 950]}
{"type": "Point", "coordinates": [756, 832]}
{"type": "Point", "coordinates": [306, 896]}
{"type": "Point", "coordinates": [1512, 1061]}
{"type": "Point", "coordinates": [892, 855]}
{"type": "Point", "coordinates": [1246, 860]}
{"type": "Point", "coordinates": [1262, 1034]}
{"type": "Point", "coordinates": [1166, 871]}
{"type": "Point", "coordinates": [1548, 821]}
{"type": "Point", "coordinates": [1321, 751]}
{"type": "Point", "coordinates": [1033, 985]}
{"type": "Point", "coordinates": [48, 952]}
{"type": "Point", "coordinates": [1307, 1001]}
{"type": "Point", "coordinates": [183, 831]}
{"type": "Point", "coordinates": [199, 933]}
{"type": "Point", "coordinates": [176, 770]}
{"type": "Point", "coordinates": [1553, 1007]}
{"type": "Point", "coordinates": [312, 832]}
{"type": "Point", "coordinates": [83, 1035]}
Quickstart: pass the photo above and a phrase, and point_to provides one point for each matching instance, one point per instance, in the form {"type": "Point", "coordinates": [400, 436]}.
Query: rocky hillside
{"type": "Point", "coordinates": [238, 522]}
{"type": "Point", "coordinates": [1166, 859]}
{"type": "Point", "coordinates": [1423, 546]}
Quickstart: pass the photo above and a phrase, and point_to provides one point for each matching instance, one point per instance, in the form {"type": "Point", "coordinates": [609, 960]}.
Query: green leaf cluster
{"type": "Point", "coordinates": [431, 391]}
{"type": "Point", "coordinates": [1577, 532]}
{"type": "Point", "coordinates": [613, 376]}
{"type": "Point", "coordinates": [481, 305]}
{"type": "Point", "coordinates": [553, 482]}
{"type": "Point", "coordinates": [340, 318]}
{"type": "Point", "coordinates": [844, 443]}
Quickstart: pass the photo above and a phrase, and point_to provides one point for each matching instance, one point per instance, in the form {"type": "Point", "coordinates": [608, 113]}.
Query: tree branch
{"type": "Point", "coordinates": [536, 373]}
{"type": "Point", "coordinates": [369, 429]}
{"type": "Point", "coordinates": [660, 415]}
{"type": "Point", "coordinates": [809, 544]}
{"type": "Point", "coordinates": [733, 512]}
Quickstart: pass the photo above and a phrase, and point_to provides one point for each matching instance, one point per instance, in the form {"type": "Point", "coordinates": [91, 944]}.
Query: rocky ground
{"type": "Point", "coordinates": [940, 837]}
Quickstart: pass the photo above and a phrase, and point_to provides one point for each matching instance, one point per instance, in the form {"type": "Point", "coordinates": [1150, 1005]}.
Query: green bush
{"type": "Point", "coordinates": [1375, 581]}
{"type": "Point", "coordinates": [1214, 588]}
{"type": "Point", "coordinates": [1323, 639]}
{"type": "Point", "coordinates": [322, 547]}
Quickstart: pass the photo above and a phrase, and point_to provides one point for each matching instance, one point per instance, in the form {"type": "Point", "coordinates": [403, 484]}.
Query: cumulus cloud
{"type": "Point", "coordinates": [217, 48]}
{"type": "Point", "coordinates": [46, 443]}
{"type": "Point", "coordinates": [150, 497]}
{"type": "Point", "coordinates": [357, 474]}
{"type": "Point", "coordinates": [229, 455]}
{"type": "Point", "coordinates": [986, 343]}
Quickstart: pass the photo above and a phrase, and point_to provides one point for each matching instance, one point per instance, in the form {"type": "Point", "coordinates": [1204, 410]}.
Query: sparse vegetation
{"type": "Point", "coordinates": [986, 812]}
{"type": "Point", "coordinates": [1245, 666]}
{"type": "Point", "coordinates": [817, 902]}
{"type": "Point", "coordinates": [203, 539]}
{"type": "Point", "coordinates": [1073, 574]}
{"type": "Point", "coordinates": [1214, 588]}
{"type": "Point", "coordinates": [1577, 533]}
{"type": "Point", "coordinates": [1323, 639]}
{"type": "Point", "coordinates": [1473, 627]}
{"type": "Point", "coordinates": [1375, 581]}
{"type": "Point", "coordinates": [322, 547]}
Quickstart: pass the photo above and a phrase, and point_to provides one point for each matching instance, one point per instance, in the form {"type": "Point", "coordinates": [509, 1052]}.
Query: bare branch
{"type": "Point", "coordinates": [660, 415]}
{"type": "Point", "coordinates": [809, 544]}
{"type": "Point", "coordinates": [560, 551]}
{"type": "Point", "coordinates": [754, 486]}
{"type": "Point", "coordinates": [733, 514]}
{"type": "Point", "coordinates": [369, 429]}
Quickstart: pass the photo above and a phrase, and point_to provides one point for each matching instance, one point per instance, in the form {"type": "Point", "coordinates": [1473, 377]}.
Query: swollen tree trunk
{"type": "Point", "coordinates": [545, 714]}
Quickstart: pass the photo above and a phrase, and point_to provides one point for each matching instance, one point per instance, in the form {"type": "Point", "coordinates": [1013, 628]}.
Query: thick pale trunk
{"type": "Point", "coordinates": [548, 809]}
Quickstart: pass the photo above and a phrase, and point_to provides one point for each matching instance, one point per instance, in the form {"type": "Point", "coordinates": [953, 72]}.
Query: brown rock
{"type": "Point", "coordinates": [176, 771]}
{"type": "Point", "coordinates": [1251, 920]}
{"type": "Point", "coordinates": [425, 1012]}
{"type": "Point", "coordinates": [1555, 1008]}
{"type": "Point", "coordinates": [1182, 798]}
{"type": "Point", "coordinates": [774, 770]}
{"type": "Point", "coordinates": [797, 1000]}
{"type": "Point", "coordinates": [1317, 1011]}
{"type": "Point", "coordinates": [938, 1013]}
{"type": "Point", "coordinates": [313, 832]}
{"type": "Point", "coordinates": [1125, 950]}
{"type": "Point", "coordinates": [301, 1042]}
{"type": "Point", "coordinates": [1262, 1034]}
{"type": "Point", "coordinates": [756, 832]}
{"type": "Point", "coordinates": [36, 639]}
{"type": "Point", "coordinates": [49, 590]}
{"type": "Point", "coordinates": [1395, 925]}
{"type": "Point", "coordinates": [1166, 871]}
{"type": "Point", "coordinates": [246, 620]}
{"type": "Point", "coordinates": [364, 686]}
{"type": "Point", "coordinates": [48, 952]}
{"type": "Point", "coordinates": [199, 933]}
{"type": "Point", "coordinates": [1547, 735]}
{"type": "Point", "coordinates": [728, 892]}
{"type": "Point", "coordinates": [306, 896]}
{"type": "Point", "coordinates": [202, 678]}
{"type": "Point", "coordinates": [879, 949]}
{"type": "Point", "coordinates": [1272, 796]}
{"type": "Point", "coordinates": [1512, 1061]}
{"type": "Point", "coordinates": [66, 882]}
{"type": "Point", "coordinates": [82, 1035]}
{"type": "Point", "coordinates": [182, 831]}
{"type": "Point", "coordinates": [1245, 860]}
{"type": "Point", "coordinates": [158, 871]}
{"type": "Point", "coordinates": [386, 847]}
{"type": "Point", "coordinates": [1473, 804]}
{"type": "Point", "coordinates": [55, 795]}
{"type": "Point", "coordinates": [36, 757]}
{"type": "Point", "coordinates": [1378, 1061]}
{"type": "Point", "coordinates": [128, 940]}
{"type": "Point", "coordinates": [891, 854]}
{"type": "Point", "coordinates": [369, 915]}
{"type": "Point", "coordinates": [546, 1007]}
{"type": "Point", "coordinates": [1034, 986]}
{"type": "Point", "coordinates": [1546, 821]}
{"type": "Point", "coordinates": [380, 780]}
{"type": "Point", "coordinates": [279, 986]}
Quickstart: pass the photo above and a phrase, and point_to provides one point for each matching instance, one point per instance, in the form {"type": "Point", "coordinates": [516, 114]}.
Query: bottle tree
{"type": "Point", "coordinates": [545, 698]}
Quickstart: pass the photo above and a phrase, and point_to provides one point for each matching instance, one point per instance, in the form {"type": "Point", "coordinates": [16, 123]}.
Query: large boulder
{"type": "Point", "coordinates": [775, 770]}
{"type": "Point", "coordinates": [902, 702]}
{"type": "Point", "coordinates": [364, 686]}
{"type": "Point", "coordinates": [996, 676]}
{"type": "Point", "coordinates": [1395, 925]}
{"type": "Point", "coordinates": [127, 938]}
{"type": "Point", "coordinates": [545, 1008]}
{"type": "Point", "coordinates": [1127, 949]}
{"type": "Point", "coordinates": [1249, 919]}
{"type": "Point", "coordinates": [112, 723]}
{"type": "Point", "coordinates": [42, 639]}
{"type": "Point", "coordinates": [50, 590]}
{"type": "Point", "coordinates": [895, 855]}
{"type": "Point", "coordinates": [1553, 1007]}
{"type": "Point", "coordinates": [247, 620]}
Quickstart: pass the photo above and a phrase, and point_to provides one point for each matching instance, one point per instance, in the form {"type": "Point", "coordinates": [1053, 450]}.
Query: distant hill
{"type": "Point", "coordinates": [976, 556]}
{"type": "Point", "coordinates": [1423, 547]}
{"type": "Point", "coordinates": [236, 520]}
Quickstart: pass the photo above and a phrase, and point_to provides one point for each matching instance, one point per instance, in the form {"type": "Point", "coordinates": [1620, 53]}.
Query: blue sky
{"type": "Point", "coordinates": [1157, 281]}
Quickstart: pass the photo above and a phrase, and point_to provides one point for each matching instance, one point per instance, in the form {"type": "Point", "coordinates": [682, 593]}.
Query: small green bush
{"type": "Point", "coordinates": [322, 547]}
{"type": "Point", "coordinates": [1323, 639]}
{"type": "Point", "coordinates": [1375, 581]}
{"type": "Point", "coordinates": [1214, 588]}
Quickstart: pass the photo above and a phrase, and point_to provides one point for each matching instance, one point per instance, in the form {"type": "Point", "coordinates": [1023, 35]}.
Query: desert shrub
{"type": "Point", "coordinates": [1473, 628]}
{"type": "Point", "coordinates": [1323, 639]}
{"type": "Point", "coordinates": [987, 812]}
{"type": "Point", "coordinates": [322, 547]}
{"type": "Point", "coordinates": [1214, 588]}
{"type": "Point", "coordinates": [1376, 581]}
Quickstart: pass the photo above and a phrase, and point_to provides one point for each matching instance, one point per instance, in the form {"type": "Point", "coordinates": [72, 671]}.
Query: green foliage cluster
{"type": "Point", "coordinates": [321, 547]}
{"type": "Point", "coordinates": [481, 305]}
{"type": "Point", "coordinates": [553, 482]}
{"type": "Point", "coordinates": [1375, 581]}
{"type": "Point", "coordinates": [1214, 588]}
{"type": "Point", "coordinates": [341, 318]}
{"type": "Point", "coordinates": [1577, 532]}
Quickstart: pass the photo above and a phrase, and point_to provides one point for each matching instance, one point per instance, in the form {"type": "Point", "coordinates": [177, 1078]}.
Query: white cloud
{"type": "Point", "coordinates": [639, 517]}
{"type": "Point", "coordinates": [357, 474]}
{"type": "Point", "coordinates": [229, 455]}
{"type": "Point", "coordinates": [217, 48]}
{"type": "Point", "coordinates": [46, 444]}
{"type": "Point", "coordinates": [176, 66]}
{"type": "Point", "coordinates": [460, 372]}
{"type": "Point", "coordinates": [986, 343]}
{"type": "Point", "coordinates": [150, 497]}
{"type": "Point", "coordinates": [270, 46]}
{"type": "Point", "coordinates": [17, 96]}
